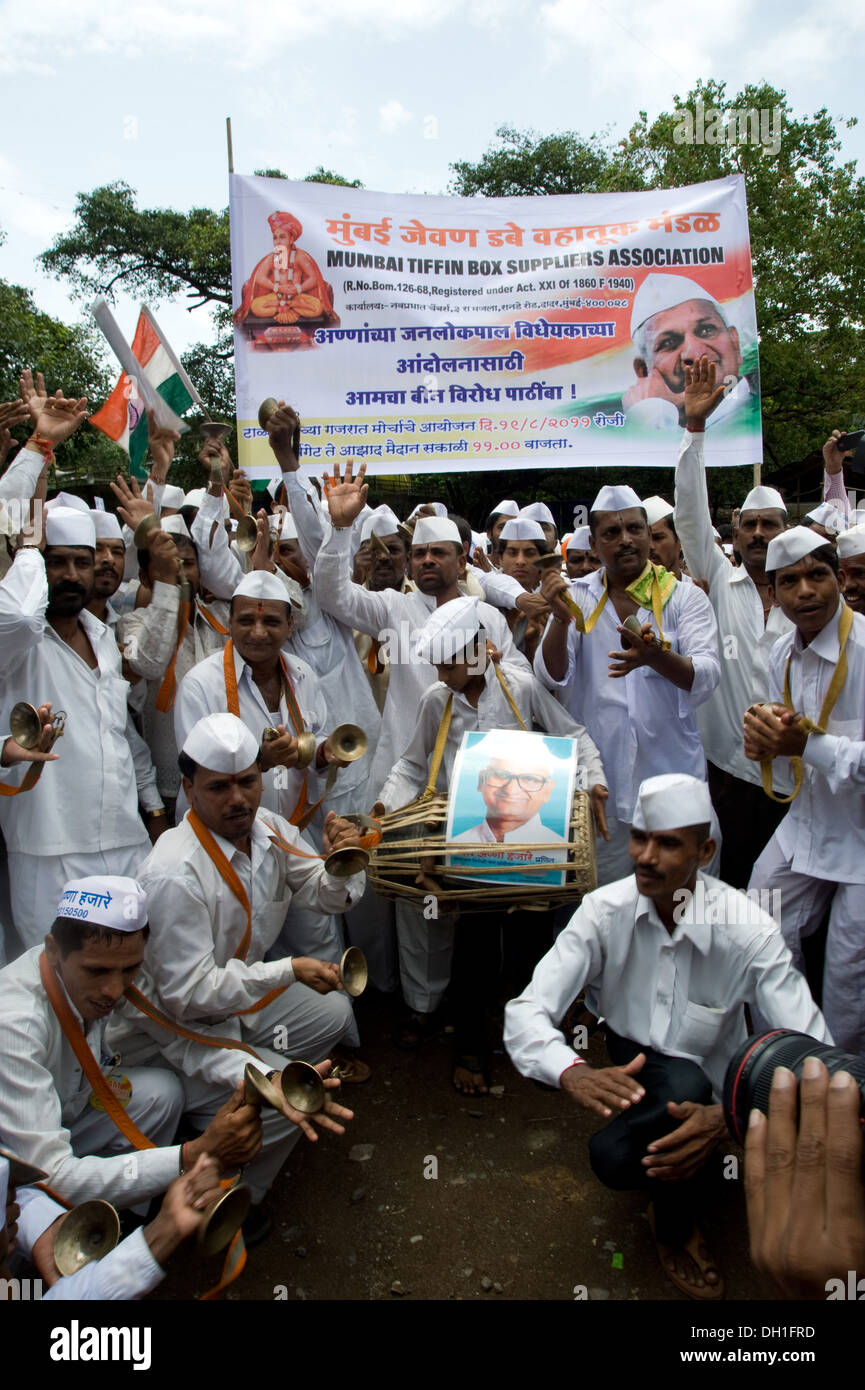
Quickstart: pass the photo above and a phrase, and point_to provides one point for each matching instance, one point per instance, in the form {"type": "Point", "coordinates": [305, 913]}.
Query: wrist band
{"type": "Point", "coordinates": [42, 446]}
{"type": "Point", "coordinates": [696, 429]}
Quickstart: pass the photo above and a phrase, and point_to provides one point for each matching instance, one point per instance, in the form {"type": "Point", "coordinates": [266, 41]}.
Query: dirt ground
{"type": "Point", "coordinates": [513, 1212]}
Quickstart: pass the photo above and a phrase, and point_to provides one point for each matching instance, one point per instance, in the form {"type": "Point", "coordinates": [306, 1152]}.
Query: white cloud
{"type": "Point", "coordinates": [392, 116]}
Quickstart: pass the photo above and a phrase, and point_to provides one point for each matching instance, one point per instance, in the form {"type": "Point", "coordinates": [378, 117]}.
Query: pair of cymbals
{"type": "Point", "coordinates": [298, 1085]}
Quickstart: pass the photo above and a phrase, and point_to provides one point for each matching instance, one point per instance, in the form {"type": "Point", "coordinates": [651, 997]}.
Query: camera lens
{"type": "Point", "coordinates": [749, 1075]}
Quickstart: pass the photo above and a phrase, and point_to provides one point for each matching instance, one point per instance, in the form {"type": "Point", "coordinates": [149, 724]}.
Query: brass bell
{"type": "Point", "coordinates": [353, 971]}
{"type": "Point", "coordinates": [25, 726]}
{"type": "Point", "coordinates": [21, 1173]}
{"type": "Point", "coordinates": [302, 1087]}
{"type": "Point", "coordinates": [246, 535]}
{"type": "Point", "coordinates": [342, 863]}
{"type": "Point", "coordinates": [223, 1219]}
{"type": "Point", "coordinates": [269, 406]}
{"type": "Point", "coordinates": [347, 743]}
{"type": "Point", "coordinates": [87, 1233]}
{"type": "Point", "coordinates": [143, 529]}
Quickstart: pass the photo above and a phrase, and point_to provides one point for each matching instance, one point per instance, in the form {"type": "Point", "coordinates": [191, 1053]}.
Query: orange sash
{"type": "Point", "coordinates": [34, 772]}
{"type": "Point", "coordinates": [209, 618]}
{"type": "Point", "coordinates": [74, 1035]}
{"type": "Point", "coordinates": [168, 688]}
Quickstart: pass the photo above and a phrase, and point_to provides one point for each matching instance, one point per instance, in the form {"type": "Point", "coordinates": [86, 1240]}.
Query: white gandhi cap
{"type": "Point", "coordinates": [538, 511]}
{"type": "Point", "coordinates": [68, 526]}
{"type": "Point", "coordinates": [851, 542]}
{"type": "Point", "coordinates": [435, 528]}
{"type": "Point", "coordinates": [761, 499]}
{"type": "Point", "coordinates": [792, 546]}
{"type": "Point", "coordinates": [671, 801]}
{"type": "Point", "coordinates": [520, 528]}
{"type": "Point", "coordinates": [221, 743]}
{"type": "Point", "coordinates": [106, 525]}
{"type": "Point", "coordinates": [656, 509]}
{"type": "Point", "coordinates": [660, 292]}
{"type": "Point", "coordinates": [261, 584]}
{"type": "Point", "coordinates": [105, 900]}
{"type": "Point", "coordinates": [615, 499]}
{"type": "Point", "coordinates": [448, 630]}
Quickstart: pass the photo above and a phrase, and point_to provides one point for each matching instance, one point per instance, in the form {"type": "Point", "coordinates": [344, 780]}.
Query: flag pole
{"type": "Point", "coordinates": [230, 147]}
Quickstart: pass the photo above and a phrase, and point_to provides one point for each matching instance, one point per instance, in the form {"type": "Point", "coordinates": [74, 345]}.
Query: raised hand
{"type": "Point", "coordinates": [132, 507]}
{"type": "Point", "coordinates": [284, 430]}
{"type": "Point", "coordinates": [346, 495]}
{"type": "Point", "coordinates": [701, 393]}
{"type": "Point", "coordinates": [833, 458]}
{"type": "Point", "coordinates": [33, 394]}
{"type": "Point", "coordinates": [328, 1117]}
{"type": "Point", "coordinates": [241, 491]}
{"type": "Point", "coordinates": [60, 417]}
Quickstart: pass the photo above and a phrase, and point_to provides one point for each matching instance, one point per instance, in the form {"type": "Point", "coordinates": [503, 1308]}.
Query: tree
{"type": "Point", "coordinates": [807, 220]}
{"type": "Point", "coordinates": [67, 357]}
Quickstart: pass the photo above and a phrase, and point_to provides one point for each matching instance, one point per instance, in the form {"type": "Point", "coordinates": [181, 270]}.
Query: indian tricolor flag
{"type": "Point", "coordinates": [152, 379]}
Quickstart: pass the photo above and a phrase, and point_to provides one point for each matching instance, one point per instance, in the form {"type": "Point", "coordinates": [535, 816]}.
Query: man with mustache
{"type": "Point", "coordinates": [748, 624]}
{"type": "Point", "coordinates": [81, 817]}
{"type": "Point", "coordinates": [636, 695]}
{"type": "Point", "coordinates": [668, 956]}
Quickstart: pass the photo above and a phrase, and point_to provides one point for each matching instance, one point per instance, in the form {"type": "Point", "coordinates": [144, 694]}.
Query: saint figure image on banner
{"type": "Point", "coordinates": [286, 288]}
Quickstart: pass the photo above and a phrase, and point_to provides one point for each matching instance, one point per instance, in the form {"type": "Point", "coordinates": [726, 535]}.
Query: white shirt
{"type": "Point", "coordinates": [681, 995]}
{"type": "Point", "coordinates": [318, 639]}
{"type": "Point", "coordinates": [531, 832]}
{"type": "Point", "coordinates": [746, 638]}
{"type": "Point", "coordinates": [642, 724]}
{"type": "Point", "coordinates": [197, 923]}
{"type": "Point", "coordinates": [396, 618]}
{"type": "Point", "coordinates": [88, 799]}
{"type": "Point", "coordinates": [44, 1092]}
{"type": "Point", "coordinates": [823, 833]}
{"type": "Point", "coordinates": [536, 705]}
{"type": "Point", "coordinates": [202, 691]}
{"type": "Point", "coordinates": [149, 637]}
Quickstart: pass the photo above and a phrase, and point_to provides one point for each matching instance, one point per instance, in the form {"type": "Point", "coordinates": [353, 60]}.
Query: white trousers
{"type": "Point", "coordinates": [155, 1106]}
{"type": "Point", "coordinates": [426, 948]}
{"type": "Point", "coordinates": [803, 901]}
{"type": "Point", "coordinates": [36, 882]}
{"type": "Point", "coordinates": [299, 1025]}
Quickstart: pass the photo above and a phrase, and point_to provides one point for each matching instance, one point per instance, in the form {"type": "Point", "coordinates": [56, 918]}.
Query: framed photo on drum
{"type": "Point", "coordinates": [509, 806]}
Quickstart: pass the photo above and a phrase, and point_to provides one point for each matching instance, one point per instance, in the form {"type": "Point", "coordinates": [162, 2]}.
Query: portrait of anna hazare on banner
{"type": "Point", "coordinates": [512, 792]}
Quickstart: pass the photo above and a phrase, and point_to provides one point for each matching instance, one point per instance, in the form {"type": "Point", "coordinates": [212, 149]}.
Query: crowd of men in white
{"type": "Point", "coordinates": [171, 911]}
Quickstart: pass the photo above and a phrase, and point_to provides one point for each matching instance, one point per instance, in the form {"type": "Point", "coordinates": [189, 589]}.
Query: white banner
{"type": "Point", "coordinates": [425, 334]}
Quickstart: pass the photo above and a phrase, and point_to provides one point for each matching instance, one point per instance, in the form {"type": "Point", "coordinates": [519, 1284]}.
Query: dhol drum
{"type": "Point", "coordinates": [411, 861]}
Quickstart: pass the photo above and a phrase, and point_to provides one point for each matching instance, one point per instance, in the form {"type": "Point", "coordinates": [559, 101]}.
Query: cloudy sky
{"type": "Point", "coordinates": [388, 91]}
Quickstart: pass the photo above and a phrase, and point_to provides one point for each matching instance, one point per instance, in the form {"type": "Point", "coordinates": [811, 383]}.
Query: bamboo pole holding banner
{"type": "Point", "coordinates": [230, 147]}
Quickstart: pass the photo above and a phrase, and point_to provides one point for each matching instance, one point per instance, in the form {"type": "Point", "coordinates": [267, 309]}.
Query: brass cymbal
{"type": "Point", "coordinates": [347, 743]}
{"type": "Point", "coordinates": [302, 1087]}
{"type": "Point", "coordinates": [258, 1089]}
{"type": "Point", "coordinates": [551, 561]}
{"type": "Point", "coordinates": [215, 429]}
{"type": "Point", "coordinates": [269, 406]}
{"type": "Point", "coordinates": [87, 1233]}
{"type": "Point", "coordinates": [143, 529]}
{"type": "Point", "coordinates": [24, 725]}
{"type": "Point", "coordinates": [246, 535]}
{"type": "Point", "coordinates": [342, 863]}
{"type": "Point", "coordinates": [223, 1219]}
{"type": "Point", "coordinates": [354, 971]}
{"type": "Point", "coordinates": [306, 746]}
{"type": "Point", "coordinates": [378, 544]}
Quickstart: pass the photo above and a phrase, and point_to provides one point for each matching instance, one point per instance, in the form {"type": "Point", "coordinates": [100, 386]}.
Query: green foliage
{"type": "Point", "coordinates": [529, 164]}
{"type": "Point", "coordinates": [67, 357]}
